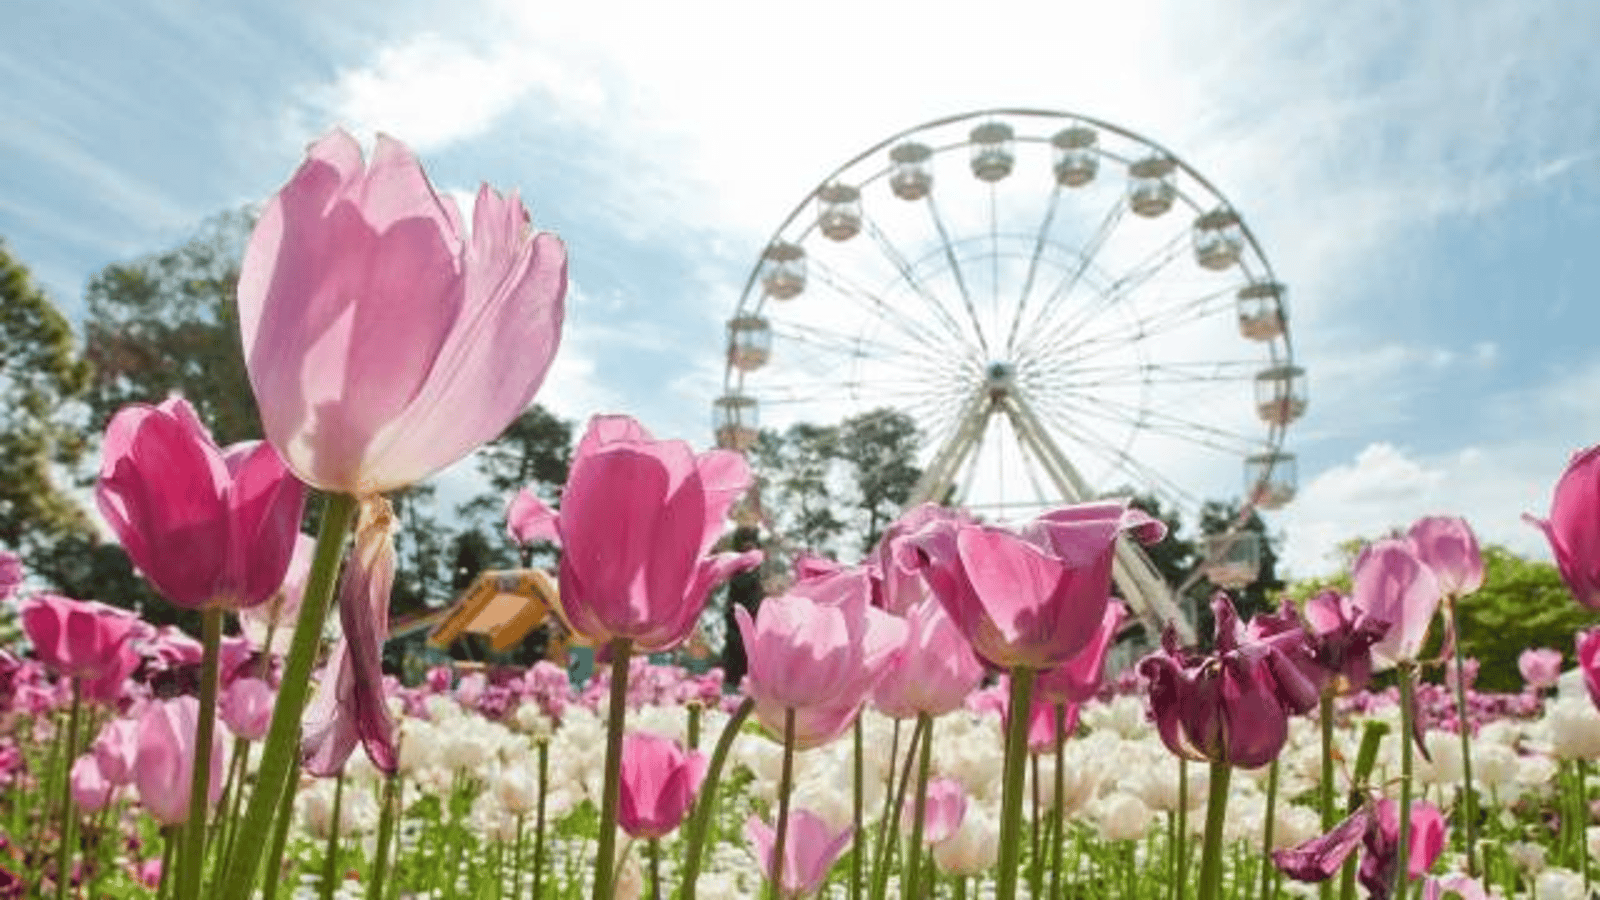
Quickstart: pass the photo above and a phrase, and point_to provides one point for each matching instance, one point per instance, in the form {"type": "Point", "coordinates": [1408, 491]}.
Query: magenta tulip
{"type": "Point", "coordinates": [91, 790]}
{"type": "Point", "coordinates": [1341, 638]}
{"type": "Point", "coordinates": [816, 656]}
{"type": "Point", "coordinates": [80, 640]}
{"type": "Point", "coordinates": [164, 763]}
{"type": "Point", "coordinates": [1377, 827]}
{"type": "Point", "coordinates": [1540, 667]}
{"type": "Point", "coordinates": [900, 583]}
{"type": "Point", "coordinates": [1588, 646]}
{"type": "Point", "coordinates": [935, 669]}
{"type": "Point", "coordinates": [1078, 679]}
{"type": "Point", "coordinates": [810, 850]}
{"type": "Point", "coordinates": [350, 705]}
{"type": "Point", "coordinates": [209, 527]}
{"type": "Point", "coordinates": [1450, 549]}
{"type": "Point", "coordinates": [275, 619]}
{"type": "Point", "coordinates": [384, 342]}
{"type": "Point", "coordinates": [637, 522]}
{"type": "Point", "coordinates": [1032, 599]}
{"type": "Point", "coordinates": [659, 784]}
{"type": "Point", "coordinates": [1391, 584]}
{"type": "Point", "coordinates": [10, 574]}
{"type": "Point", "coordinates": [1573, 528]}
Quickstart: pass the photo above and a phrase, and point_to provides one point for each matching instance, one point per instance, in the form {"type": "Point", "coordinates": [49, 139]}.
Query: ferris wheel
{"type": "Point", "coordinates": [1066, 309]}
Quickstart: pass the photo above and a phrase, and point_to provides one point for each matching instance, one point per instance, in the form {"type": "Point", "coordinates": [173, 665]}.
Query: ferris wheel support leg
{"type": "Point", "coordinates": [1141, 584]}
{"type": "Point", "coordinates": [941, 472]}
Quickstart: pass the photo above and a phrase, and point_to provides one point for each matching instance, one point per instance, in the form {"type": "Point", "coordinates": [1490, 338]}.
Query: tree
{"type": "Point", "coordinates": [41, 376]}
{"type": "Point", "coordinates": [534, 451]}
{"type": "Point", "coordinates": [880, 448]}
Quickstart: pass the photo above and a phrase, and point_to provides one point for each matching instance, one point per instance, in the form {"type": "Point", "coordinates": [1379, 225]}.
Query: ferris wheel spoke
{"type": "Point", "coordinates": [1120, 459]}
{"type": "Point", "coordinates": [1087, 258]}
{"type": "Point", "coordinates": [1143, 373]}
{"type": "Point", "coordinates": [909, 276]}
{"type": "Point", "coordinates": [1149, 419]}
{"type": "Point", "coordinates": [909, 327]}
{"type": "Point", "coordinates": [955, 272]}
{"type": "Point", "coordinates": [1079, 347]}
{"type": "Point", "coordinates": [827, 344]}
{"type": "Point", "coordinates": [1041, 240]}
{"type": "Point", "coordinates": [1051, 339]}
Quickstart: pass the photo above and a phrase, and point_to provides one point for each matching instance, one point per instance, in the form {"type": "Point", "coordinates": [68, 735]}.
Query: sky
{"type": "Point", "coordinates": [1424, 176]}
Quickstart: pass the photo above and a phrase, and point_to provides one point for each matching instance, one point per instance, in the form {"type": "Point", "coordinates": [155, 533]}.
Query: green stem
{"type": "Point", "coordinates": [538, 827]}
{"type": "Point", "coordinates": [1407, 676]}
{"type": "Point", "coordinates": [858, 834]}
{"type": "Point", "coordinates": [785, 781]}
{"type": "Point", "coordinates": [69, 815]}
{"type": "Point", "coordinates": [1011, 797]}
{"type": "Point", "coordinates": [653, 849]}
{"type": "Point", "coordinates": [1366, 759]}
{"type": "Point", "coordinates": [881, 842]}
{"type": "Point", "coordinates": [387, 814]}
{"type": "Point", "coordinates": [517, 857]}
{"type": "Point", "coordinates": [192, 862]}
{"type": "Point", "coordinates": [604, 866]}
{"type": "Point", "coordinates": [888, 840]}
{"type": "Point", "coordinates": [1583, 823]}
{"type": "Point", "coordinates": [1325, 797]}
{"type": "Point", "coordinates": [1183, 828]}
{"type": "Point", "coordinates": [280, 836]}
{"type": "Point", "coordinates": [1216, 814]}
{"type": "Point", "coordinates": [281, 755]}
{"type": "Point", "coordinates": [700, 821]}
{"type": "Point", "coordinates": [695, 712]}
{"type": "Point", "coordinates": [1266, 833]}
{"type": "Point", "coordinates": [919, 808]}
{"type": "Point", "coordinates": [330, 855]}
{"type": "Point", "coordinates": [169, 846]}
{"type": "Point", "coordinates": [225, 831]}
{"type": "Point", "coordinates": [1058, 815]}
{"type": "Point", "coordinates": [1469, 797]}
{"type": "Point", "coordinates": [1036, 856]}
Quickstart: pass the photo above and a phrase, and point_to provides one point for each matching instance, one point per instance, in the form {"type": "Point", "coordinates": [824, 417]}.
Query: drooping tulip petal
{"type": "Point", "coordinates": [383, 341]}
{"type": "Point", "coordinates": [77, 639]}
{"type": "Point", "coordinates": [1323, 855]}
{"type": "Point", "coordinates": [810, 850]}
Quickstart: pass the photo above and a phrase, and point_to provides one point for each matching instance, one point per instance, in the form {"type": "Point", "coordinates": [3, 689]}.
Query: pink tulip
{"type": "Point", "coordinates": [943, 810]}
{"type": "Point", "coordinates": [900, 584]}
{"type": "Point", "coordinates": [209, 527]}
{"type": "Point", "coordinates": [1032, 599]}
{"type": "Point", "coordinates": [384, 342]}
{"type": "Point", "coordinates": [10, 574]}
{"type": "Point", "coordinates": [164, 763]}
{"type": "Point", "coordinates": [659, 784]}
{"type": "Point", "coordinates": [246, 707]}
{"type": "Point", "coordinates": [1426, 838]}
{"type": "Point", "coordinates": [1462, 887]}
{"type": "Point", "coordinates": [1573, 528]}
{"type": "Point", "coordinates": [934, 670]}
{"type": "Point", "coordinates": [1540, 667]}
{"type": "Point", "coordinates": [1341, 637]}
{"type": "Point", "coordinates": [810, 850]}
{"type": "Point", "coordinates": [1078, 679]}
{"type": "Point", "coordinates": [116, 750]}
{"type": "Point", "coordinates": [79, 640]}
{"type": "Point", "coordinates": [637, 522]}
{"type": "Point", "coordinates": [91, 790]}
{"type": "Point", "coordinates": [1391, 584]}
{"type": "Point", "coordinates": [279, 614]}
{"type": "Point", "coordinates": [817, 656]}
{"type": "Point", "coordinates": [1588, 646]}
{"type": "Point", "coordinates": [1043, 736]}
{"type": "Point", "coordinates": [350, 705]}
{"type": "Point", "coordinates": [1450, 549]}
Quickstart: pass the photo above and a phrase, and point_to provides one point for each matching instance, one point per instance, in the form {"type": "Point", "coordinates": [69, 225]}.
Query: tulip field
{"type": "Point", "coordinates": [960, 714]}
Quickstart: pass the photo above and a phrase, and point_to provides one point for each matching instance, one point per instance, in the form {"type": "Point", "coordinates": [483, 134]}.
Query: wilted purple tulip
{"type": "Point", "coordinates": [935, 669]}
{"type": "Point", "coordinates": [658, 786]}
{"type": "Point", "coordinates": [1573, 528]}
{"type": "Point", "coordinates": [810, 850]}
{"type": "Point", "coordinates": [1450, 549]}
{"type": "Point", "coordinates": [1031, 599]}
{"type": "Point", "coordinates": [1588, 646]}
{"type": "Point", "coordinates": [1377, 826]}
{"type": "Point", "coordinates": [164, 763]}
{"type": "Point", "coordinates": [637, 522]}
{"type": "Point", "coordinates": [385, 342]}
{"type": "Point", "coordinates": [1391, 584]}
{"type": "Point", "coordinates": [1540, 667]}
{"type": "Point", "coordinates": [1341, 637]}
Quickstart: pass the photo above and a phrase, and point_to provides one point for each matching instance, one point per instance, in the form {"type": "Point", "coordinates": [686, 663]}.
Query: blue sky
{"type": "Point", "coordinates": [1423, 175]}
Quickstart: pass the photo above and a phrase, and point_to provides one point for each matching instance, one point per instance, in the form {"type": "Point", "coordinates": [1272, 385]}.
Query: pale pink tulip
{"type": "Point", "coordinates": [164, 764]}
{"type": "Point", "coordinates": [91, 790]}
{"type": "Point", "coordinates": [809, 852]}
{"type": "Point", "coordinates": [1391, 584]}
{"type": "Point", "coordinates": [935, 669]}
{"type": "Point", "coordinates": [1032, 599]}
{"type": "Point", "coordinates": [1540, 667]}
{"type": "Point", "coordinates": [246, 707]}
{"type": "Point", "coordinates": [385, 342]}
{"type": "Point", "coordinates": [637, 523]}
{"type": "Point", "coordinates": [1573, 528]}
{"type": "Point", "coordinates": [1450, 549]}
{"type": "Point", "coordinates": [659, 784]}
{"type": "Point", "coordinates": [277, 616]}
{"type": "Point", "coordinates": [943, 810]}
{"type": "Point", "coordinates": [1588, 647]}
{"type": "Point", "coordinates": [116, 750]}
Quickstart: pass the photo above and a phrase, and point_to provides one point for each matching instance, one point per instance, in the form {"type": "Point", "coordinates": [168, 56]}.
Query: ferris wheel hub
{"type": "Point", "coordinates": [1001, 377]}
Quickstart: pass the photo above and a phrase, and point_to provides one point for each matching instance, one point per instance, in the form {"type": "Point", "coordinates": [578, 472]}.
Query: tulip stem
{"type": "Point", "coordinates": [386, 816]}
{"type": "Point", "coordinates": [538, 825]}
{"type": "Point", "coordinates": [621, 649]}
{"type": "Point", "coordinates": [1266, 831]}
{"type": "Point", "coordinates": [280, 836]}
{"type": "Point", "coordinates": [1036, 856]}
{"type": "Point", "coordinates": [281, 755]}
{"type": "Point", "coordinates": [919, 808]}
{"type": "Point", "coordinates": [69, 815]}
{"type": "Point", "coordinates": [1017, 709]}
{"type": "Point", "coordinates": [1325, 798]}
{"type": "Point", "coordinates": [1406, 672]}
{"type": "Point", "coordinates": [1058, 817]}
{"type": "Point", "coordinates": [1216, 815]}
{"type": "Point", "coordinates": [653, 850]}
{"type": "Point", "coordinates": [695, 710]}
{"type": "Point", "coordinates": [878, 861]}
{"type": "Point", "coordinates": [169, 844]}
{"type": "Point", "coordinates": [1181, 880]}
{"type": "Point", "coordinates": [858, 834]}
{"type": "Point", "coordinates": [1464, 727]}
{"type": "Point", "coordinates": [1583, 823]}
{"type": "Point", "coordinates": [700, 822]}
{"type": "Point", "coordinates": [785, 782]}
{"type": "Point", "coordinates": [330, 855]}
{"type": "Point", "coordinates": [192, 861]}
{"type": "Point", "coordinates": [887, 841]}
{"type": "Point", "coordinates": [226, 832]}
